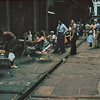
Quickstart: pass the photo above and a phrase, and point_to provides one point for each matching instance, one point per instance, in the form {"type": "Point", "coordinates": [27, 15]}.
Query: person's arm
{"type": "Point", "coordinates": [40, 39]}
{"type": "Point", "coordinates": [65, 29]}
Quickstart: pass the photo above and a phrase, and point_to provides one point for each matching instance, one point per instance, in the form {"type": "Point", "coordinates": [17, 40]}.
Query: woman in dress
{"type": "Point", "coordinates": [90, 38]}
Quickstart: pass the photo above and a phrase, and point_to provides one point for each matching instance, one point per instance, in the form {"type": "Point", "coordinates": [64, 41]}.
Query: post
{"type": "Point", "coordinates": [35, 15]}
{"type": "Point", "coordinates": [8, 15]}
{"type": "Point", "coordinates": [47, 15]}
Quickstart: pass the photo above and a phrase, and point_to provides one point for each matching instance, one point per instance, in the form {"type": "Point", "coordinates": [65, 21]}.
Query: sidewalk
{"type": "Point", "coordinates": [76, 79]}
{"type": "Point", "coordinates": [29, 70]}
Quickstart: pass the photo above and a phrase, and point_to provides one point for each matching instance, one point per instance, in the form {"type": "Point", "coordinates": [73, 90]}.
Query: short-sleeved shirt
{"type": "Point", "coordinates": [97, 27]}
{"type": "Point", "coordinates": [62, 28]}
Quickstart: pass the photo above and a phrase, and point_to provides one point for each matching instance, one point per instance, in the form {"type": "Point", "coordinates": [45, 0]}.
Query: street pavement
{"type": "Point", "coordinates": [77, 78]}
{"type": "Point", "coordinates": [15, 81]}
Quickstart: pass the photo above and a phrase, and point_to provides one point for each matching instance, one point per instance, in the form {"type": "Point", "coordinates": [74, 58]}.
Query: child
{"type": "Point", "coordinates": [90, 37]}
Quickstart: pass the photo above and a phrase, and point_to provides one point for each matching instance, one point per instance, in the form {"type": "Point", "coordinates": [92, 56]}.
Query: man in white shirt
{"type": "Point", "coordinates": [61, 31]}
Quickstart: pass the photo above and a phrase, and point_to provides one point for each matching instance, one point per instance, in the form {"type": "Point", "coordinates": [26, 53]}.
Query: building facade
{"type": "Point", "coordinates": [96, 8]}
{"type": "Point", "coordinates": [19, 16]}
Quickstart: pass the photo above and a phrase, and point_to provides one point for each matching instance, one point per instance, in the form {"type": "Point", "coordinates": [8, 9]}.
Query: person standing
{"type": "Point", "coordinates": [90, 39]}
{"type": "Point", "coordinates": [87, 28]}
{"type": "Point", "coordinates": [61, 31]}
{"type": "Point", "coordinates": [97, 36]}
{"type": "Point", "coordinates": [73, 38]}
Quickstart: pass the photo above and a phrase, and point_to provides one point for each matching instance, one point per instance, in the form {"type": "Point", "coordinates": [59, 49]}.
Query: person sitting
{"type": "Point", "coordinates": [29, 36]}
{"type": "Point", "coordinates": [42, 42]}
{"type": "Point", "coordinates": [36, 36]}
{"type": "Point", "coordinates": [53, 38]}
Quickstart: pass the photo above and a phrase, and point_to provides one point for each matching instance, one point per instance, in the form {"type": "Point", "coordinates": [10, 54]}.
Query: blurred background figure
{"type": "Point", "coordinates": [90, 38]}
{"type": "Point", "coordinates": [53, 38]}
{"type": "Point", "coordinates": [73, 37]}
{"type": "Point", "coordinates": [29, 35]}
{"type": "Point", "coordinates": [97, 36]}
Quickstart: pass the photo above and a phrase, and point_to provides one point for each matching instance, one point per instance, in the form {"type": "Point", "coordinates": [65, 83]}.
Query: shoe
{"type": "Point", "coordinates": [14, 66]}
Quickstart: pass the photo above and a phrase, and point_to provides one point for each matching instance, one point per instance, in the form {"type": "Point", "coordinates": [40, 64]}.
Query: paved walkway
{"type": "Point", "coordinates": [76, 79]}
{"type": "Point", "coordinates": [29, 70]}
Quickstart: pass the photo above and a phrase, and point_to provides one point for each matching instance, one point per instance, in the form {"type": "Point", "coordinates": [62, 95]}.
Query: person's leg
{"type": "Point", "coordinates": [62, 45]}
{"type": "Point", "coordinates": [71, 50]}
{"type": "Point", "coordinates": [12, 64]}
{"type": "Point", "coordinates": [90, 44]}
{"type": "Point", "coordinates": [73, 47]}
{"type": "Point", "coordinates": [99, 39]}
{"type": "Point", "coordinates": [96, 37]}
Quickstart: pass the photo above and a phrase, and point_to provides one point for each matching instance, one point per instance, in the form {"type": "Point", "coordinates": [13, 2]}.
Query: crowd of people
{"type": "Point", "coordinates": [63, 37]}
{"type": "Point", "coordinates": [93, 33]}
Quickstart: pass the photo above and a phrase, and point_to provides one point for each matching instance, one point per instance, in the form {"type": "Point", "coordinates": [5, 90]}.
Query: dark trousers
{"type": "Point", "coordinates": [60, 43]}
{"type": "Point", "coordinates": [12, 63]}
{"type": "Point", "coordinates": [73, 46]}
{"type": "Point", "coordinates": [90, 45]}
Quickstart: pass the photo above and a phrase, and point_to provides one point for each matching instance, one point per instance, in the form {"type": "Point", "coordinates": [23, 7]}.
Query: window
{"type": "Point", "coordinates": [98, 0]}
{"type": "Point", "coordinates": [98, 10]}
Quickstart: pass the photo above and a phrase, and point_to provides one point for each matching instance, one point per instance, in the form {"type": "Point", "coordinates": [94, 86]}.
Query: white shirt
{"type": "Point", "coordinates": [30, 37]}
{"type": "Point", "coordinates": [97, 26]}
{"type": "Point", "coordinates": [62, 28]}
{"type": "Point", "coordinates": [11, 56]}
{"type": "Point", "coordinates": [53, 36]}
